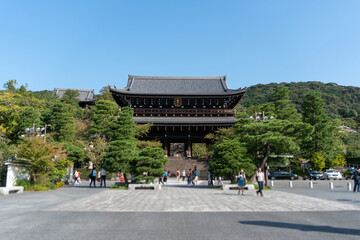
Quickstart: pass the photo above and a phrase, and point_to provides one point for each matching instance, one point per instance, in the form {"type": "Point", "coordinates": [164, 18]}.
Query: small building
{"type": "Point", "coordinates": [86, 97]}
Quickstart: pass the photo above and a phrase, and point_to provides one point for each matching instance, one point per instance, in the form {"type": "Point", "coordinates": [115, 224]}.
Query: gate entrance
{"type": "Point", "coordinates": [177, 150]}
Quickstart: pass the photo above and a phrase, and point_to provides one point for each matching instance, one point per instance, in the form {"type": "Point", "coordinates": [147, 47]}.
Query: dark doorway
{"type": "Point", "coordinates": [177, 149]}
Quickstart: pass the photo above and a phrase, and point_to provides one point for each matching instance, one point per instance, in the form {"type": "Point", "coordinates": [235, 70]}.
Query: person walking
{"type": "Point", "coordinates": [183, 174]}
{"type": "Point", "coordinates": [210, 182]}
{"type": "Point", "coordinates": [79, 179]}
{"type": "Point", "coordinates": [165, 176]}
{"type": "Point", "coordinates": [103, 177]}
{"type": "Point", "coordinates": [260, 180]}
{"type": "Point", "coordinates": [93, 176]}
{"type": "Point", "coordinates": [177, 175]}
{"type": "Point", "coordinates": [76, 175]}
{"type": "Point", "coordinates": [190, 177]}
{"type": "Point", "coordinates": [357, 180]}
{"type": "Point", "coordinates": [196, 177]}
{"type": "Point", "coordinates": [241, 181]}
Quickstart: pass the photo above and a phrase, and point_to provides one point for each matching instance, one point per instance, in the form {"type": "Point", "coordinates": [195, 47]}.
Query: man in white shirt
{"type": "Point", "coordinates": [103, 177]}
{"type": "Point", "coordinates": [260, 180]}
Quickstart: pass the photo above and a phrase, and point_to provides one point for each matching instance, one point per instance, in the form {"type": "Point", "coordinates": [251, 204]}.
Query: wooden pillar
{"type": "Point", "coordinates": [166, 149]}
{"type": "Point", "coordinates": [189, 148]}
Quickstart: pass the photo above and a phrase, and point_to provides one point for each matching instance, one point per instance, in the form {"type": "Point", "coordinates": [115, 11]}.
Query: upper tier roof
{"type": "Point", "coordinates": [147, 85]}
{"type": "Point", "coordinates": [85, 95]}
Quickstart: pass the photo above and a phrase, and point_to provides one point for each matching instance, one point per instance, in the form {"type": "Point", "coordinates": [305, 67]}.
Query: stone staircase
{"type": "Point", "coordinates": [187, 163]}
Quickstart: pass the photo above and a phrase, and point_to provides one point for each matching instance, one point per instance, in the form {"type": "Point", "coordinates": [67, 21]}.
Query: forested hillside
{"type": "Point", "coordinates": [342, 102]}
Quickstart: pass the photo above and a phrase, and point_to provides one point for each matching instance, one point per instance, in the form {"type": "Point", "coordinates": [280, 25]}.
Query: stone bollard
{"type": "Point", "coordinates": [331, 185]}
{"type": "Point", "coordinates": [271, 183]}
{"type": "Point", "coordinates": [290, 184]}
{"type": "Point", "coordinates": [349, 186]}
{"type": "Point", "coordinates": [311, 184]}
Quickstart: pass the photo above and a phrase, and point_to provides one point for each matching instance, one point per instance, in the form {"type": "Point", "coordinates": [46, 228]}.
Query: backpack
{"type": "Point", "coordinates": [357, 176]}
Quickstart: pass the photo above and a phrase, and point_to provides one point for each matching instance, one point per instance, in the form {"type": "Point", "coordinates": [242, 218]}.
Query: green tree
{"type": "Point", "coordinates": [149, 164]}
{"type": "Point", "coordinates": [10, 85]}
{"type": "Point", "coordinates": [96, 151]}
{"type": "Point", "coordinates": [43, 160]}
{"type": "Point", "coordinates": [277, 137]}
{"type": "Point", "coordinates": [104, 94]}
{"type": "Point", "coordinates": [324, 136]}
{"type": "Point", "coordinates": [318, 161]}
{"type": "Point", "coordinates": [229, 157]}
{"type": "Point", "coordinates": [284, 108]}
{"type": "Point", "coordinates": [75, 153]}
{"type": "Point", "coordinates": [337, 161]}
{"type": "Point", "coordinates": [71, 97]}
{"type": "Point", "coordinates": [122, 152]}
{"type": "Point", "coordinates": [105, 114]}
{"type": "Point", "coordinates": [62, 122]}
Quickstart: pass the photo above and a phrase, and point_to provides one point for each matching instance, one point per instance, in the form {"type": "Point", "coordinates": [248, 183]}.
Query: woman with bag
{"type": "Point", "coordinates": [241, 181]}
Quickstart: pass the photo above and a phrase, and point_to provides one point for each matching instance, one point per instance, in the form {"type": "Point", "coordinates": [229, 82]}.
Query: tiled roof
{"type": "Point", "coordinates": [176, 85]}
{"type": "Point", "coordinates": [85, 95]}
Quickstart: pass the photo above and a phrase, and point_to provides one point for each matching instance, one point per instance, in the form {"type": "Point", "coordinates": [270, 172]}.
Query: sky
{"type": "Point", "coordinates": [92, 44]}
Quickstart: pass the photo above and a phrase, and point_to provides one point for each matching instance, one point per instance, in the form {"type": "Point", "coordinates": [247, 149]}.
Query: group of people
{"type": "Point", "coordinates": [241, 179]}
{"type": "Point", "coordinates": [192, 176]}
{"type": "Point", "coordinates": [101, 175]}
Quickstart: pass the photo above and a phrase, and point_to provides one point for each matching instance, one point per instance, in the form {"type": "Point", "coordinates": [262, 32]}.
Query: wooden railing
{"type": "Point", "coordinates": [169, 112]}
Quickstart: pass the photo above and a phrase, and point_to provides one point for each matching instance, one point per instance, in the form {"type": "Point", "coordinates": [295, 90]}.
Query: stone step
{"type": "Point", "coordinates": [182, 163]}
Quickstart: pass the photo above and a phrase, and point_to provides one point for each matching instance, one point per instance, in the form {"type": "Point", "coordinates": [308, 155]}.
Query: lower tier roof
{"type": "Point", "coordinates": [181, 121]}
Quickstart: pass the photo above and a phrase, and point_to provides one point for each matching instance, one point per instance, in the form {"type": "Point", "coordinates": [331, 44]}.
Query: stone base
{"type": "Point", "coordinates": [236, 187]}
{"type": "Point", "coordinates": [11, 190]}
{"type": "Point", "coordinates": [144, 186]}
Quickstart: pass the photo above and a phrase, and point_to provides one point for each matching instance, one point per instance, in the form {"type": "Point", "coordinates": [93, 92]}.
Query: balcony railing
{"type": "Point", "coordinates": [146, 112]}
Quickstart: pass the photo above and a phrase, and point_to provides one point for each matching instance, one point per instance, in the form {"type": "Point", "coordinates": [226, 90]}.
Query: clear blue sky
{"type": "Point", "coordinates": [91, 44]}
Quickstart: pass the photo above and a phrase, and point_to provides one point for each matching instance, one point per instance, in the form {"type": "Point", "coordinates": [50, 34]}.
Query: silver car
{"type": "Point", "coordinates": [332, 174]}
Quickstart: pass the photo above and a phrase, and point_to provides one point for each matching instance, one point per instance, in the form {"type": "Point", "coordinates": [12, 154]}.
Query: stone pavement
{"type": "Point", "coordinates": [181, 198]}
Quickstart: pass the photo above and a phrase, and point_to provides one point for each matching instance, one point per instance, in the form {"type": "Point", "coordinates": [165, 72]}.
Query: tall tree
{"type": "Point", "coordinates": [122, 152]}
{"type": "Point", "coordinates": [229, 157]}
{"type": "Point", "coordinates": [97, 150]}
{"type": "Point", "coordinates": [284, 108]}
{"type": "Point", "coordinates": [277, 137]}
{"type": "Point", "coordinates": [105, 114]}
{"type": "Point", "coordinates": [62, 122]}
{"type": "Point", "coordinates": [323, 139]}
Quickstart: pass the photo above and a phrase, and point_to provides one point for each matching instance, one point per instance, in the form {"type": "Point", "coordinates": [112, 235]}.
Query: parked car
{"type": "Point", "coordinates": [332, 174]}
{"type": "Point", "coordinates": [282, 175]}
{"type": "Point", "coordinates": [313, 174]}
{"type": "Point", "coordinates": [349, 174]}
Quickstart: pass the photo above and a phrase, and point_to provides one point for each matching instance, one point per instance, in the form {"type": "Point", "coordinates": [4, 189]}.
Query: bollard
{"type": "Point", "coordinates": [290, 184]}
{"type": "Point", "coordinates": [331, 185]}
{"type": "Point", "coordinates": [349, 186]}
{"type": "Point", "coordinates": [271, 183]}
{"type": "Point", "coordinates": [311, 184]}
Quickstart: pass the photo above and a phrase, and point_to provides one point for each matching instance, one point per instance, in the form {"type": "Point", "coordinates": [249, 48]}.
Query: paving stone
{"type": "Point", "coordinates": [181, 198]}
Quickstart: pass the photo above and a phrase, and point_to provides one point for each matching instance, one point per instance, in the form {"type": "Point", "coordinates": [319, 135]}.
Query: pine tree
{"type": "Point", "coordinates": [122, 152]}
{"type": "Point", "coordinates": [105, 114]}
{"type": "Point", "coordinates": [323, 139]}
{"type": "Point", "coordinates": [229, 158]}
{"type": "Point", "coordinates": [149, 164]}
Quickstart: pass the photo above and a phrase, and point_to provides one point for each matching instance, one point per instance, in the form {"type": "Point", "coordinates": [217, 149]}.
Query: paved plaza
{"type": "Point", "coordinates": [181, 212]}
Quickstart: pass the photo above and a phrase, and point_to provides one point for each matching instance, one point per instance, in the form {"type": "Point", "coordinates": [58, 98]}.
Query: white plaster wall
{"type": "Point", "coordinates": [15, 172]}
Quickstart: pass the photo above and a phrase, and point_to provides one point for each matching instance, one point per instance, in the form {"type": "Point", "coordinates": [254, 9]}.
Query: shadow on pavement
{"type": "Point", "coordinates": [303, 227]}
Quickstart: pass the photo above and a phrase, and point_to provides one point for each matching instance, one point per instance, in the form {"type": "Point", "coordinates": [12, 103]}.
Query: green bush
{"type": "Point", "coordinates": [35, 187]}
{"type": "Point", "coordinates": [115, 187]}
{"type": "Point", "coordinates": [297, 170]}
